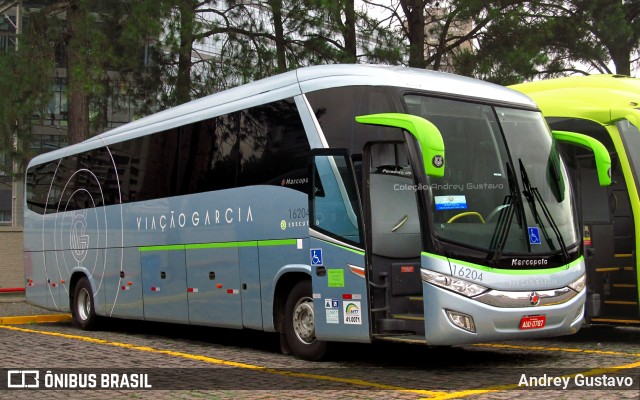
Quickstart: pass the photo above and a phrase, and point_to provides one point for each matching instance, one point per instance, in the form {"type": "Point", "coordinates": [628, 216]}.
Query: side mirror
{"type": "Point", "coordinates": [428, 135]}
{"type": "Point", "coordinates": [601, 154]}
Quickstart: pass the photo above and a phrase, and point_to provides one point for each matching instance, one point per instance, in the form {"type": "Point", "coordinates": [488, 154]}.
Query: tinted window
{"type": "Point", "coordinates": [208, 155]}
{"type": "Point", "coordinates": [79, 181]}
{"type": "Point", "coordinates": [147, 166]}
{"type": "Point", "coordinates": [273, 147]}
{"type": "Point", "coordinates": [336, 109]}
{"type": "Point", "coordinates": [262, 145]}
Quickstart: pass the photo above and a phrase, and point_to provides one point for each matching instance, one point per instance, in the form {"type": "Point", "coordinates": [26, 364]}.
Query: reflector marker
{"type": "Point", "coordinates": [192, 290]}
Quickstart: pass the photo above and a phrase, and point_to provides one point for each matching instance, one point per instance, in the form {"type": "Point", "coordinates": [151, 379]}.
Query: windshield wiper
{"type": "Point", "coordinates": [532, 194]}
{"type": "Point", "coordinates": [512, 204]}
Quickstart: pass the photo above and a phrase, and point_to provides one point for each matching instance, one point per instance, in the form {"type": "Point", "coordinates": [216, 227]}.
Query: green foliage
{"type": "Point", "coordinates": [553, 38]}
{"type": "Point", "coordinates": [25, 84]}
{"type": "Point", "coordinates": [160, 53]}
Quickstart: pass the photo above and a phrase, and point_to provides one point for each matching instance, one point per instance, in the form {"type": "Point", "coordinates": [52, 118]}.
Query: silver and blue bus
{"type": "Point", "coordinates": [343, 203]}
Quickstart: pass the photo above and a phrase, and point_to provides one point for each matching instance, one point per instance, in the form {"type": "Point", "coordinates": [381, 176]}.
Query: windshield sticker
{"type": "Point", "coordinates": [451, 202]}
{"type": "Point", "coordinates": [534, 235]}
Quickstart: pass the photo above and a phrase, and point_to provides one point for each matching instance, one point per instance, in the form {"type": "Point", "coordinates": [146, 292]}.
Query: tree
{"type": "Point", "coordinates": [25, 85]}
{"type": "Point", "coordinates": [553, 38]}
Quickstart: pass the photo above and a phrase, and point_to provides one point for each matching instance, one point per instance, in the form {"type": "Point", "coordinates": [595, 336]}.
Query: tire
{"type": "Point", "coordinates": [299, 324]}
{"type": "Point", "coordinates": [83, 307]}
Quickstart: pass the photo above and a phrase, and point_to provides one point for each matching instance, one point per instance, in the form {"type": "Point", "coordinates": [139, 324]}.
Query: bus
{"type": "Point", "coordinates": [318, 204]}
{"type": "Point", "coordinates": [604, 107]}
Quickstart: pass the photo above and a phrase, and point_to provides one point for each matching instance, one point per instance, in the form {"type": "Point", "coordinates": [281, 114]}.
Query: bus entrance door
{"type": "Point", "coordinates": [336, 255]}
{"type": "Point", "coordinates": [395, 282]}
{"type": "Point", "coordinates": [608, 238]}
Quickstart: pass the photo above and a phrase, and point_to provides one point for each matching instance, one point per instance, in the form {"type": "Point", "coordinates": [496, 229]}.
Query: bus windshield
{"type": "Point", "coordinates": [505, 190]}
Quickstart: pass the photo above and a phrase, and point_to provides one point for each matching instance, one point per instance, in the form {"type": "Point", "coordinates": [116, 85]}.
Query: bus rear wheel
{"type": "Point", "coordinates": [299, 324]}
{"type": "Point", "coordinates": [83, 307]}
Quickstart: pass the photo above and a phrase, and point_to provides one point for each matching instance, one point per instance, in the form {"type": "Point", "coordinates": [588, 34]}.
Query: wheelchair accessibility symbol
{"type": "Point", "coordinates": [534, 235]}
{"type": "Point", "coordinates": [316, 258]}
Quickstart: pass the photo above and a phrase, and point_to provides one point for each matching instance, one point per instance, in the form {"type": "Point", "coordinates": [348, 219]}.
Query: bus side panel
{"type": "Point", "coordinates": [275, 261]}
{"type": "Point", "coordinates": [339, 296]}
{"type": "Point", "coordinates": [36, 287]}
{"type": "Point", "coordinates": [123, 296]}
{"type": "Point", "coordinates": [250, 287]}
{"type": "Point", "coordinates": [52, 271]}
{"type": "Point", "coordinates": [213, 286]}
{"type": "Point", "coordinates": [164, 283]}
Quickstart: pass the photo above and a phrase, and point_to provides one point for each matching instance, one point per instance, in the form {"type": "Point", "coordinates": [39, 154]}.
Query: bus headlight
{"type": "Point", "coordinates": [579, 284]}
{"type": "Point", "coordinates": [460, 286]}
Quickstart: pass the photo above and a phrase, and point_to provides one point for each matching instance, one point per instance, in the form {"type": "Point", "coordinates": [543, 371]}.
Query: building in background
{"type": "Point", "coordinates": [49, 132]}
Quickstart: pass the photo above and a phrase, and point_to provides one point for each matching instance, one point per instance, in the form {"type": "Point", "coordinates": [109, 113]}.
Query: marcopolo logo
{"type": "Point", "coordinates": [520, 262]}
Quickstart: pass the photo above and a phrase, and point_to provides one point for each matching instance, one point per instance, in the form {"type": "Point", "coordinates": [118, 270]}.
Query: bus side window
{"type": "Point", "coordinates": [335, 205]}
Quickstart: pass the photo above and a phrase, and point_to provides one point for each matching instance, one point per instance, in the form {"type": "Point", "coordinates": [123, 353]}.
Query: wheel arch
{"type": "Point", "coordinates": [285, 283]}
{"type": "Point", "coordinates": [73, 281]}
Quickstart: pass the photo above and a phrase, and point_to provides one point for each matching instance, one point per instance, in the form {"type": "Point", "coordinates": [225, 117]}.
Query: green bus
{"type": "Point", "coordinates": [607, 108]}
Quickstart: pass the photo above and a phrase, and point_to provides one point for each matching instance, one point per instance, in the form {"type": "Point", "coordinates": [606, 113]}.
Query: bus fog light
{"type": "Point", "coordinates": [462, 321]}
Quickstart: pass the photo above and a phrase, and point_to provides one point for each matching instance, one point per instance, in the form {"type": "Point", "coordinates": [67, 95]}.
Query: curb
{"type": "Point", "coordinates": [34, 319]}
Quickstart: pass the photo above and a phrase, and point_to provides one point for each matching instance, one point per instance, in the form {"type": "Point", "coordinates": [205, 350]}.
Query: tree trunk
{"type": "Point", "coordinates": [77, 67]}
{"type": "Point", "coordinates": [622, 60]}
{"type": "Point", "coordinates": [183, 80]}
{"type": "Point", "coordinates": [349, 33]}
{"type": "Point", "coordinates": [414, 11]}
{"type": "Point", "coordinates": [276, 10]}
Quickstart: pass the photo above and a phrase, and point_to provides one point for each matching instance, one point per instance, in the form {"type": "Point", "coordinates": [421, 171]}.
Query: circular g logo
{"type": "Point", "coordinates": [79, 240]}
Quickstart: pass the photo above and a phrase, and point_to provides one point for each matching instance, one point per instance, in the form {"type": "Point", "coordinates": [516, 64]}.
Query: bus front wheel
{"type": "Point", "coordinates": [299, 324]}
{"type": "Point", "coordinates": [83, 307]}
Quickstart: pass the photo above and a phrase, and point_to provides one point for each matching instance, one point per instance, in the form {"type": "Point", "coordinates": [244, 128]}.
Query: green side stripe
{"type": "Point", "coordinates": [282, 242]}
{"type": "Point", "coordinates": [220, 245]}
{"type": "Point", "coordinates": [508, 271]}
{"type": "Point", "coordinates": [224, 245]}
{"type": "Point", "coordinates": [161, 248]}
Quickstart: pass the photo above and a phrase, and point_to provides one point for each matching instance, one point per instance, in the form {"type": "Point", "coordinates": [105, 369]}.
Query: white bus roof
{"type": "Point", "coordinates": [296, 82]}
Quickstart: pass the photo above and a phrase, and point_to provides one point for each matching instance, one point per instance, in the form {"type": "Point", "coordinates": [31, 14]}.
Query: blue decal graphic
{"type": "Point", "coordinates": [534, 235]}
{"type": "Point", "coordinates": [331, 303]}
{"type": "Point", "coordinates": [316, 257]}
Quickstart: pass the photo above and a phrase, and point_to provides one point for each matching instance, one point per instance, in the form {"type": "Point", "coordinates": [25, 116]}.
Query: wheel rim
{"type": "Point", "coordinates": [303, 324]}
{"type": "Point", "coordinates": [84, 304]}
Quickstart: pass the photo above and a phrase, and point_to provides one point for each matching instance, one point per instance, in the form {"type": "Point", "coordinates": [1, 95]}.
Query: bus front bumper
{"type": "Point", "coordinates": [452, 319]}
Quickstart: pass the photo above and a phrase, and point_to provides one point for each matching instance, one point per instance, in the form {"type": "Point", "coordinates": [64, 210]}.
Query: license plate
{"type": "Point", "coordinates": [533, 322]}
